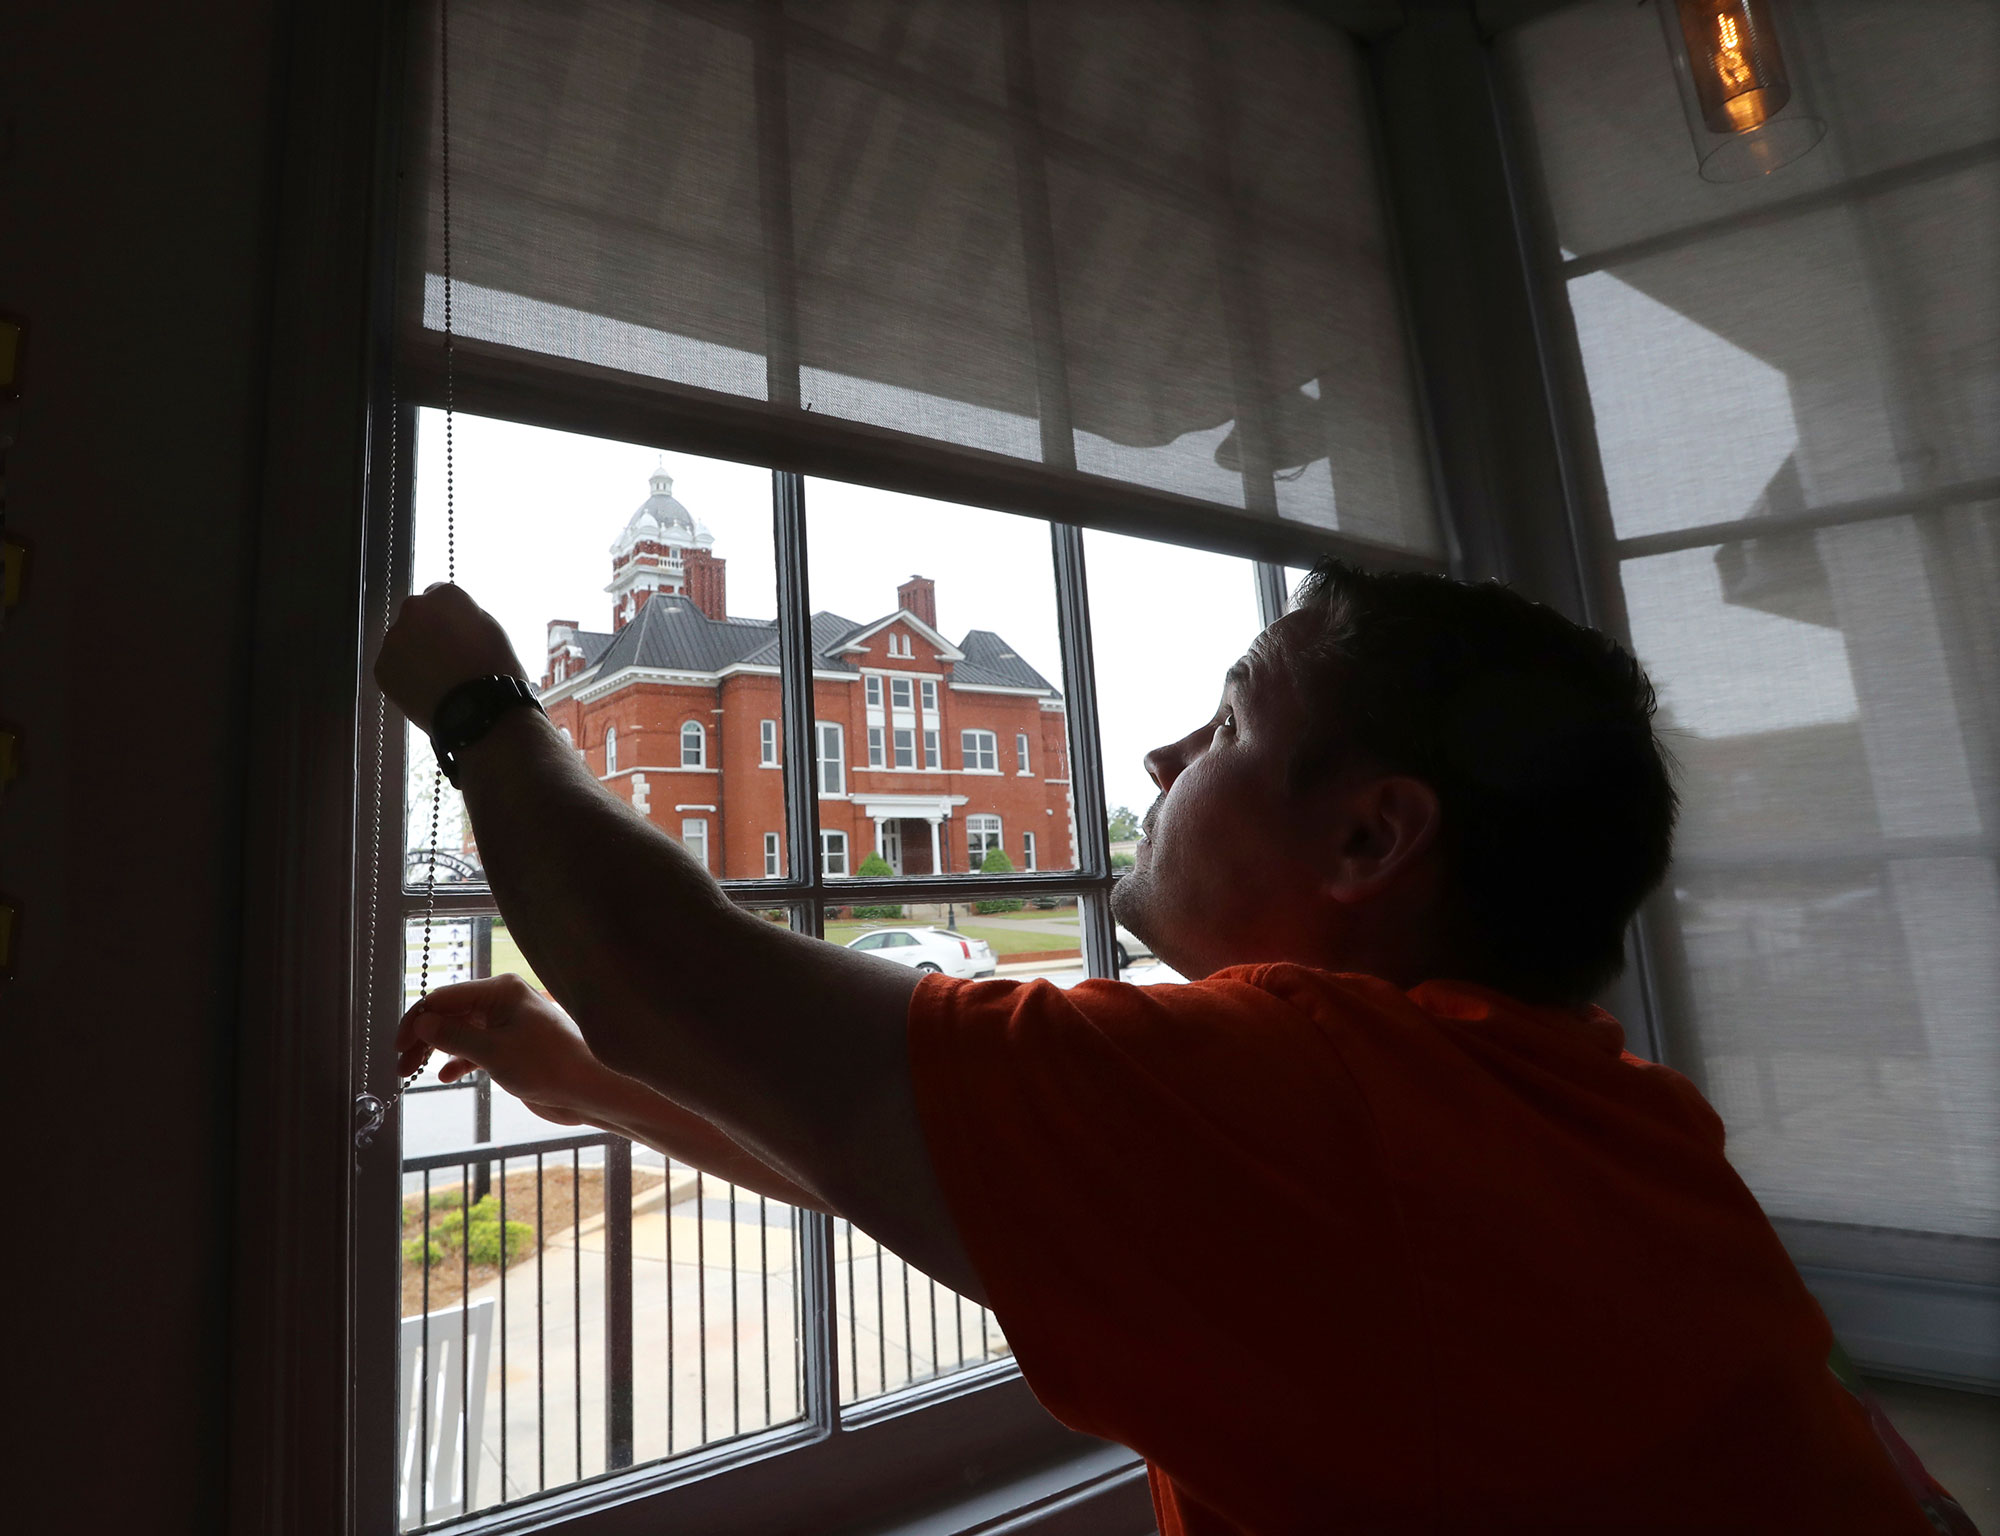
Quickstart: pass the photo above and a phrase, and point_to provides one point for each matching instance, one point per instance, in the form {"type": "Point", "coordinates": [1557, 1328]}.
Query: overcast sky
{"type": "Point", "coordinates": [537, 512]}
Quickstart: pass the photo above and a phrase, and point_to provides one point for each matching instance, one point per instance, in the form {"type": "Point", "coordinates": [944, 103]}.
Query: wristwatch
{"type": "Point", "coordinates": [467, 713]}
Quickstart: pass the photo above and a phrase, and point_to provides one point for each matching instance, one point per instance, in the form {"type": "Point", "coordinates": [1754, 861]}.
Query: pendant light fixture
{"type": "Point", "coordinates": [1738, 68]}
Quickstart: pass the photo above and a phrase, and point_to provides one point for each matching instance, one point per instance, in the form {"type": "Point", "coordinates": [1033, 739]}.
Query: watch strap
{"type": "Point", "coordinates": [467, 713]}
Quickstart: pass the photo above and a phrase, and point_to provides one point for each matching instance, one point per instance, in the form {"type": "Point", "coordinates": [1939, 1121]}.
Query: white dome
{"type": "Point", "coordinates": [662, 520]}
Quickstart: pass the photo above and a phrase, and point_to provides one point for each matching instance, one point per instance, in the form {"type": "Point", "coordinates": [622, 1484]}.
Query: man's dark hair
{"type": "Point", "coordinates": [1535, 733]}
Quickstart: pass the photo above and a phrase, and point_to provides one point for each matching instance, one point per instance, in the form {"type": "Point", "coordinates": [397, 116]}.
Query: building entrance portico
{"type": "Point", "coordinates": [909, 830]}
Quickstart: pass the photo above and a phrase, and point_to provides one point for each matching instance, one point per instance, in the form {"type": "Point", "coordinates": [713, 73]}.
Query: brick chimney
{"type": "Point", "coordinates": [706, 587]}
{"type": "Point", "coordinates": [918, 595]}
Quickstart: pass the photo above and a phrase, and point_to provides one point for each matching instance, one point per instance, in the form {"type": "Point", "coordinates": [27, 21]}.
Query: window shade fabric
{"type": "Point", "coordinates": [1794, 385]}
{"type": "Point", "coordinates": [1136, 241]}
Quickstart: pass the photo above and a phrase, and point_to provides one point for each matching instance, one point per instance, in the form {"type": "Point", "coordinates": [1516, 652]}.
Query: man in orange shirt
{"type": "Point", "coordinates": [1373, 1226]}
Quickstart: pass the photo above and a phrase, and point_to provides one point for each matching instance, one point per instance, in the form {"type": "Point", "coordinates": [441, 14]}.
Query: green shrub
{"type": "Point", "coordinates": [996, 862]}
{"type": "Point", "coordinates": [1122, 861]}
{"type": "Point", "coordinates": [413, 1252]}
{"type": "Point", "coordinates": [447, 1199]}
{"type": "Point", "coordinates": [875, 867]}
{"type": "Point", "coordinates": [477, 1232]}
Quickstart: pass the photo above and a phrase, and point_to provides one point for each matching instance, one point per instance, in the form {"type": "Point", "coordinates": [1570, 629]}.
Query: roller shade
{"type": "Point", "coordinates": [1139, 243]}
{"type": "Point", "coordinates": [1794, 384]}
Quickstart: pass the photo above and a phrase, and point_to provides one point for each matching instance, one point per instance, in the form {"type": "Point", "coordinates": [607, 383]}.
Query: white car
{"type": "Point", "coordinates": [1128, 945]}
{"type": "Point", "coordinates": [929, 949]}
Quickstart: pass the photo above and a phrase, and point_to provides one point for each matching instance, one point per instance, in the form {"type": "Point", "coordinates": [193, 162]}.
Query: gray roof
{"type": "Point", "coordinates": [992, 661]}
{"type": "Point", "coordinates": [670, 634]}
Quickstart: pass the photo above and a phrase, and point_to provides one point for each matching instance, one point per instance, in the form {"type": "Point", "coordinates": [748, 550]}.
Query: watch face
{"type": "Point", "coordinates": [464, 710]}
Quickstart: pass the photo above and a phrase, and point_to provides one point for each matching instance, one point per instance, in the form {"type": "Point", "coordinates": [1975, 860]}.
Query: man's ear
{"type": "Point", "coordinates": [1382, 825]}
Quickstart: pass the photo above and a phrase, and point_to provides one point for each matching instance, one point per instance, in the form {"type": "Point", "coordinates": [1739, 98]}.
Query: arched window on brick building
{"type": "Point", "coordinates": [610, 749]}
{"type": "Point", "coordinates": [694, 746]}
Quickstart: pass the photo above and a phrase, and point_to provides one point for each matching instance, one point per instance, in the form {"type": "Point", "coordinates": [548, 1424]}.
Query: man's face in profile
{"type": "Point", "coordinates": [1223, 875]}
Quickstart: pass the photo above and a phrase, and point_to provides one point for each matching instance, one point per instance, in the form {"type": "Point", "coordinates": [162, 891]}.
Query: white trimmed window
{"type": "Point", "coordinates": [874, 746]}
{"type": "Point", "coordinates": [872, 686]}
{"type": "Point", "coordinates": [930, 695]}
{"type": "Point", "coordinates": [833, 853]}
{"type": "Point", "coordinates": [982, 836]}
{"type": "Point", "coordinates": [899, 693]}
{"type": "Point", "coordinates": [773, 867]}
{"type": "Point", "coordinates": [767, 743]}
{"type": "Point", "coordinates": [610, 749]}
{"type": "Point", "coordinates": [906, 748]}
{"type": "Point", "coordinates": [832, 758]}
{"type": "Point", "coordinates": [981, 751]}
{"type": "Point", "coordinates": [694, 837]}
{"type": "Point", "coordinates": [694, 746]}
{"type": "Point", "coordinates": [932, 751]}
{"type": "Point", "coordinates": [1027, 850]}
{"type": "Point", "coordinates": [1021, 750]}
{"type": "Point", "coordinates": [568, 740]}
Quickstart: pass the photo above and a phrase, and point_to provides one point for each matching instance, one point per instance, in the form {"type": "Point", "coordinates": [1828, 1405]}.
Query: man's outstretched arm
{"type": "Point", "coordinates": [795, 1049]}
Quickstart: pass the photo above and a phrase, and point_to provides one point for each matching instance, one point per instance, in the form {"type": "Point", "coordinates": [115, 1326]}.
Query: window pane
{"type": "Point", "coordinates": [547, 520]}
{"type": "Point", "coordinates": [506, 1251]}
{"type": "Point", "coordinates": [896, 1327]}
{"type": "Point", "coordinates": [1166, 623]}
{"type": "Point", "coordinates": [965, 653]}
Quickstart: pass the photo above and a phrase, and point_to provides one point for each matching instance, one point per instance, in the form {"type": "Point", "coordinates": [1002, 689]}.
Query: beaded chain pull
{"type": "Point", "coordinates": [371, 1110]}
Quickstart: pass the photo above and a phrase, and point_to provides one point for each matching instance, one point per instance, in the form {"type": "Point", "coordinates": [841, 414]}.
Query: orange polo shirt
{"type": "Point", "coordinates": [1335, 1257]}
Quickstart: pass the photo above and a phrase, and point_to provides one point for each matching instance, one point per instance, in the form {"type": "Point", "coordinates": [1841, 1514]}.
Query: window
{"type": "Point", "coordinates": [1027, 850]}
{"type": "Point", "coordinates": [610, 749]}
{"type": "Point", "coordinates": [873, 686]}
{"type": "Point", "coordinates": [982, 754]}
{"type": "Point", "coordinates": [694, 838]}
{"type": "Point", "coordinates": [767, 743]}
{"type": "Point", "coordinates": [982, 836]}
{"type": "Point", "coordinates": [1010, 599]}
{"type": "Point", "coordinates": [693, 745]}
{"type": "Point", "coordinates": [1021, 750]}
{"type": "Point", "coordinates": [832, 759]}
{"type": "Point", "coordinates": [772, 867]}
{"type": "Point", "coordinates": [899, 693]}
{"type": "Point", "coordinates": [568, 740]}
{"type": "Point", "coordinates": [875, 759]}
{"type": "Point", "coordinates": [833, 853]}
{"type": "Point", "coordinates": [906, 748]}
{"type": "Point", "coordinates": [1830, 924]}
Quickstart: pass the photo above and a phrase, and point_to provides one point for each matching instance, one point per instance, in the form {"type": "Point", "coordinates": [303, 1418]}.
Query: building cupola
{"type": "Point", "coordinates": [650, 553]}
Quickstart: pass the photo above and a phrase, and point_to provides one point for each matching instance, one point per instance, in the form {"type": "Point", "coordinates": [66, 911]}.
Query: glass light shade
{"type": "Point", "coordinates": [1740, 86]}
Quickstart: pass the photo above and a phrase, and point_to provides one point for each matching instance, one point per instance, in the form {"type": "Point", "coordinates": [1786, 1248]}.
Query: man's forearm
{"type": "Point", "coordinates": [669, 982]}
{"type": "Point", "coordinates": [638, 1112]}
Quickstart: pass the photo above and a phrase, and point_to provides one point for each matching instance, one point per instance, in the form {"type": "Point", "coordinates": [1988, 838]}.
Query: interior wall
{"type": "Point", "coordinates": [135, 152]}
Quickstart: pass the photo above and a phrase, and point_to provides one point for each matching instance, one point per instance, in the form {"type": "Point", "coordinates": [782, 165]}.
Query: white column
{"type": "Point", "coordinates": [937, 864]}
{"type": "Point", "coordinates": [879, 820]}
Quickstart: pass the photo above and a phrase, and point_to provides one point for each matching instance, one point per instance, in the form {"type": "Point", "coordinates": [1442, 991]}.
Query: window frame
{"type": "Point", "coordinates": [1021, 759]}
{"type": "Point", "coordinates": [980, 759]}
{"type": "Point", "coordinates": [767, 744]}
{"type": "Point", "coordinates": [700, 744]}
{"type": "Point", "coordinates": [830, 765]}
{"type": "Point", "coordinates": [610, 750]}
{"type": "Point", "coordinates": [321, 1452]}
{"type": "Point", "coordinates": [991, 833]}
{"type": "Point", "coordinates": [832, 839]}
{"type": "Point", "coordinates": [774, 855]}
{"type": "Point", "coordinates": [903, 743]}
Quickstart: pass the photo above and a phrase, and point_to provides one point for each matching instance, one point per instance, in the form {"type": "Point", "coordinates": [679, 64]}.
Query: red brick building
{"type": "Point", "coordinates": [927, 751]}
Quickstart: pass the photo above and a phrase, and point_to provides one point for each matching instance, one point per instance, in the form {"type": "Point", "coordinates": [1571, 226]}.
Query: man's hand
{"type": "Point", "coordinates": [531, 1049]}
{"type": "Point", "coordinates": [523, 1040]}
{"type": "Point", "coordinates": [440, 639]}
